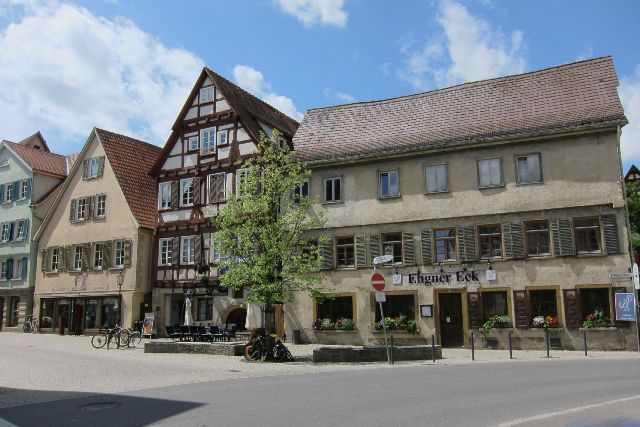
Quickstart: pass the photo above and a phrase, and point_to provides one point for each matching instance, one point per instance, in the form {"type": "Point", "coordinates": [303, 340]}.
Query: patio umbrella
{"type": "Point", "coordinates": [254, 317]}
{"type": "Point", "coordinates": [188, 318]}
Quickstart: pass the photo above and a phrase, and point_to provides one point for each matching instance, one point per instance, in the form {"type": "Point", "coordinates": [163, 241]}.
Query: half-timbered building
{"type": "Point", "coordinates": [218, 128]}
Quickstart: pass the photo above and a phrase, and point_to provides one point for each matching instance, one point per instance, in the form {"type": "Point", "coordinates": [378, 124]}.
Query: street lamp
{"type": "Point", "coordinates": [120, 281]}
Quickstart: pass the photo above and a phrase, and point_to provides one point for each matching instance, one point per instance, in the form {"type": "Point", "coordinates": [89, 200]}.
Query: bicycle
{"type": "Point", "coordinates": [31, 324]}
{"type": "Point", "coordinates": [118, 337]}
{"type": "Point", "coordinates": [135, 334]}
{"type": "Point", "coordinates": [267, 348]}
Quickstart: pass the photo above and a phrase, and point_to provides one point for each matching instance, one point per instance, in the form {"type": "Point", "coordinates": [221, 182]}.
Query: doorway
{"type": "Point", "coordinates": [1, 311]}
{"type": "Point", "coordinates": [451, 324]}
{"type": "Point", "coordinates": [78, 316]}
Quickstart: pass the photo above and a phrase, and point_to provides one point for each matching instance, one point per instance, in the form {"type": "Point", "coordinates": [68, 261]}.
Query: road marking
{"type": "Point", "coordinates": [565, 411]}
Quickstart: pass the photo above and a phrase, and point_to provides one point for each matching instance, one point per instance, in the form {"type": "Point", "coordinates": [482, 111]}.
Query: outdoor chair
{"type": "Point", "coordinates": [203, 333]}
{"type": "Point", "coordinates": [230, 332]}
{"type": "Point", "coordinates": [216, 333]}
{"type": "Point", "coordinates": [195, 334]}
{"type": "Point", "coordinates": [186, 333]}
{"type": "Point", "coordinates": [172, 333]}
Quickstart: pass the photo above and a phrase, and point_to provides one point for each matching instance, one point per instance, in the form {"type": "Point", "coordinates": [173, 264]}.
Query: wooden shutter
{"type": "Point", "coordinates": [572, 315]}
{"type": "Point", "coordinates": [217, 187]}
{"type": "Point", "coordinates": [474, 308]}
{"type": "Point", "coordinates": [127, 253]}
{"type": "Point", "coordinates": [13, 230]}
{"type": "Point", "coordinates": [106, 254]}
{"type": "Point", "coordinates": [326, 252]}
{"type": "Point", "coordinates": [25, 263]}
{"type": "Point", "coordinates": [610, 228]}
{"type": "Point", "coordinates": [467, 239]}
{"type": "Point", "coordinates": [425, 238]}
{"type": "Point", "coordinates": [86, 258]}
{"type": "Point", "coordinates": [15, 190]}
{"type": "Point", "coordinates": [197, 248]}
{"type": "Point", "coordinates": [175, 194]}
{"type": "Point", "coordinates": [562, 237]}
{"type": "Point", "coordinates": [175, 251]}
{"type": "Point", "coordinates": [521, 308]}
{"type": "Point", "coordinates": [72, 210]}
{"type": "Point", "coordinates": [9, 274]}
{"type": "Point", "coordinates": [44, 266]}
{"type": "Point", "coordinates": [408, 248]}
{"type": "Point", "coordinates": [25, 234]}
{"type": "Point", "coordinates": [85, 168]}
{"type": "Point", "coordinates": [100, 166]}
{"type": "Point", "coordinates": [68, 256]}
{"type": "Point", "coordinates": [1, 193]}
{"type": "Point", "coordinates": [374, 247]}
{"type": "Point", "coordinates": [361, 256]}
{"type": "Point", "coordinates": [90, 202]}
{"type": "Point", "coordinates": [197, 199]}
{"type": "Point", "coordinates": [29, 184]}
{"type": "Point", "coordinates": [513, 240]}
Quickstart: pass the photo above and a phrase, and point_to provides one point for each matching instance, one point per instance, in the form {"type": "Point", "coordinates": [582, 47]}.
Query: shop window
{"type": "Point", "coordinates": [91, 314]}
{"type": "Point", "coordinates": [398, 306]}
{"type": "Point", "coordinates": [592, 300]}
{"type": "Point", "coordinates": [543, 303]}
{"type": "Point", "coordinates": [392, 245]}
{"type": "Point", "coordinates": [445, 241]}
{"type": "Point", "coordinates": [46, 314]}
{"type": "Point", "coordinates": [14, 311]}
{"type": "Point", "coordinates": [490, 238]}
{"type": "Point", "coordinates": [494, 304]}
{"type": "Point", "coordinates": [345, 252]}
{"type": "Point", "coordinates": [537, 235]}
{"type": "Point", "coordinates": [109, 312]}
{"type": "Point", "coordinates": [205, 308]}
{"type": "Point", "coordinates": [332, 312]}
{"type": "Point", "coordinates": [587, 233]}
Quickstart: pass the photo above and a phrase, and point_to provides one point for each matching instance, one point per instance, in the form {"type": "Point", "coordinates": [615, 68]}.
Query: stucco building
{"type": "Point", "coordinates": [501, 197]}
{"type": "Point", "coordinates": [95, 242]}
{"type": "Point", "coordinates": [29, 177]}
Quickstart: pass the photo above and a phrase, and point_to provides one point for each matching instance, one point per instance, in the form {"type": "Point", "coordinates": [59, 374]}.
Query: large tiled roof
{"type": "Point", "coordinates": [568, 96]}
{"type": "Point", "coordinates": [131, 161]}
{"type": "Point", "coordinates": [39, 160]}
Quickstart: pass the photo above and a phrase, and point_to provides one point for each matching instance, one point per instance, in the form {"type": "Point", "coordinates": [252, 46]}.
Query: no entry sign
{"type": "Point", "coordinates": [377, 281]}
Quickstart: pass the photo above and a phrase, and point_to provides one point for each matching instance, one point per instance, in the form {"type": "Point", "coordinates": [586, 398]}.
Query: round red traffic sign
{"type": "Point", "coordinates": [377, 281]}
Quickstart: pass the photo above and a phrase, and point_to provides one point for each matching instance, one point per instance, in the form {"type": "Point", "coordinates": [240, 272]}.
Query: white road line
{"type": "Point", "coordinates": [565, 411]}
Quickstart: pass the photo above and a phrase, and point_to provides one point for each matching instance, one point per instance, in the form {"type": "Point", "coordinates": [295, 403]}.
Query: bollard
{"type": "Point", "coordinates": [473, 348]}
{"type": "Point", "coordinates": [546, 338]}
{"type": "Point", "coordinates": [510, 346]}
{"type": "Point", "coordinates": [584, 340]}
{"type": "Point", "coordinates": [392, 349]}
{"type": "Point", "coordinates": [433, 347]}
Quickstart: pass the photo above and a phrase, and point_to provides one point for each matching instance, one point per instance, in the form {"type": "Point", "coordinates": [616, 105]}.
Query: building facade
{"type": "Point", "coordinates": [94, 244]}
{"type": "Point", "coordinates": [500, 200]}
{"type": "Point", "coordinates": [217, 130]}
{"type": "Point", "coordinates": [29, 177]}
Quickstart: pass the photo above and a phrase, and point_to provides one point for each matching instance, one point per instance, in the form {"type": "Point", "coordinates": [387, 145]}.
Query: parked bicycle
{"type": "Point", "coordinates": [268, 348]}
{"type": "Point", "coordinates": [135, 334]}
{"type": "Point", "coordinates": [31, 324]}
{"type": "Point", "coordinates": [116, 337]}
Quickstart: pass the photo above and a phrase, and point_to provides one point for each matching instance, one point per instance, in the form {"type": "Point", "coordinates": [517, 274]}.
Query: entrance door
{"type": "Point", "coordinates": [1, 311]}
{"type": "Point", "coordinates": [78, 315]}
{"type": "Point", "coordinates": [450, 307]}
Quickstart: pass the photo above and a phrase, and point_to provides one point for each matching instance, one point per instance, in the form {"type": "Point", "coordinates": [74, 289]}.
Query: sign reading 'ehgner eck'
{"type": "Point", "coordinates": [460, 277]}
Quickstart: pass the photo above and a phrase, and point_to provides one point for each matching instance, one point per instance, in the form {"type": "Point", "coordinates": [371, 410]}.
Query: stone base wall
{"type": "Point", "coordinates": [225, 349]}
{"type": "Point", "coordinates": [374, 354]}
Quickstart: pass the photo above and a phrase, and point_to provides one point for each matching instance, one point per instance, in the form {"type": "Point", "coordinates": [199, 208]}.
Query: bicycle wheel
{"type": "Point", "coordinates": [254, 351]}
{"type": "Point", "coordinates": [99, 339]}
{"type": "Point", "coordinates": [26, 327]}
{"type": "Point", "coordinates": [279, 352]}
{"type": "Point", "coordinates": [36, 327]}
{"type": "Point", "coordinates": [124, 338]}
{"type": "Point", "coordinates": [112, 340]}
{"type": "Point", "coordinates": [134, 339]}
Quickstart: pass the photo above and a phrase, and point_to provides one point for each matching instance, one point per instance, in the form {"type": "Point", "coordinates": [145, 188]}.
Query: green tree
{"type": "Point", "coordinates": [633, 203]}
{"type": "Point", "coordinates": [263, 229]}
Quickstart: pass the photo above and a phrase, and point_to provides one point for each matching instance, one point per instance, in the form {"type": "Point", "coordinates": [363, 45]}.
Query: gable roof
{"type": "Point", "coordinates": [131, 160]}
{"type": "Point", "coordinates": [633, 170]}
{"type": "Point", "coordinates": [40, 161]}
{"type": "Point", "coordinates": [28, 141]}
{"type": "Point", "coordinates": [573, 96]}
{"type": "Point", "coordinates": [249, 108]}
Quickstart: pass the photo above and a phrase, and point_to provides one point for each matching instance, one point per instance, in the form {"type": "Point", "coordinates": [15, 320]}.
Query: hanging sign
{"type": "Point", "coordinates": [625, 307]}
{"type": "Point", "coordinates": [397, 279]}
{"type": "Point", "coordinates": [491, 275]}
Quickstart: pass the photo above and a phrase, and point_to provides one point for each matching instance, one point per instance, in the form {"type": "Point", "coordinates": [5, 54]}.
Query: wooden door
{"type": "Point", "coordinates": [78, 317]}
{"type": "Point", "coordinates": [451, 322]}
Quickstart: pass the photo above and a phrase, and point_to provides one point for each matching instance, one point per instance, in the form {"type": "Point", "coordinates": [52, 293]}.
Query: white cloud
{"type": "Point", "coordinates": [467, 49]}
{"type": "Point", "coordinates": [64, 70]}
{"type": "Point", "coordinates": [311, 12]}
{"type": "Point", "coordinates": [630, 95]}
{"type": "Point", "coordinates": [253, 81]}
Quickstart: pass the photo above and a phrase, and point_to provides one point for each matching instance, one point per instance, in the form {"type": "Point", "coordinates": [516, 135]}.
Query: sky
{"type": "Point", "coordinates": [128, 65]}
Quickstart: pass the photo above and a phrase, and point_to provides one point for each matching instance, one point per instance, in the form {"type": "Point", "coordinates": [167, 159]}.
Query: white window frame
{"type": "Point", "coordinates": [165, 248]}
{"type": "Point", "coordinates": [206, 90]}
{"type": "Point", "coordinates": [79, 213]}
{"type": "Point", "coordinates": [8, 189]}
{"type": "Point", "coordinates": [491, 167]}
{"type": "Point", "coordinates": [101, 204]}
{"type": "Point", "coordinates": [241, 175]}
{"type": "Point", "coordinates": [55, 259]}
{"type": "Point", "coordinates": [388, 174]}
{"type": "Point", "coordinates": [219, 136]}
{"type": "Point", "coordinates": [215, 249]}
{"type": "Point", "coordinates": [93, 166]}
{"type": "Point", "coordinates": [435, 175]}
{"type": "Point", "coordinates": [98, 256]}
{"type": "Point", "coordinates": [193, 143]}
{"type": "Point", "coordinates": [23, 189]}
{"type": "Point", "coordinates": [77, 257]}
{"type": "Point", "coordinates": [17, 269]}
{"type": "Point", "coordinates": [333, 179]}
{"type": "Point", "coordinates": [161, 188]}
{"type": "Point", "coordinates": [207, 145]}
{"type": "Point", "coordinates": [187, 249]}
{"type": "Point", "coordinates": [527, 159]}
{"type": "Point", "coordinates": [5, 232]}
{"type": "Point", "coordinates": [299, 191]}
{"type": "Point", "coordinates": [182, 192]}
{"type": "Point", "coordinates": [3, 269]}
{"type": "Point", "coordinates": [118, 254]}
{"type": "Point", "coordinates": [20, 232]}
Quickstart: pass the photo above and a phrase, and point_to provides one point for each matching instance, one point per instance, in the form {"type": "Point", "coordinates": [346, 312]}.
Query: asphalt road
{"type": "Point", "coordinates": [551, 392]}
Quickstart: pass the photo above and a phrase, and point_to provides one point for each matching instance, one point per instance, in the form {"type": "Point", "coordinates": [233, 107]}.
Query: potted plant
{"type": "Point", "coordinates": [595, 320]}
{"type": "Point", "coordinates": [497, 321]}
{"type": "Point", "coordinates": [545, 322]}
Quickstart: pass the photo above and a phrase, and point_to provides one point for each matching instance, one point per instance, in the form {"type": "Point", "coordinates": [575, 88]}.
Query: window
{"type": "Point", "coordinates": [109, 312]}
{"type": "Point", "coordinates": [222, 137]}
{"type": "Point", "coordinates": [436, 178]}
{"type": "Point", "coordinates": [205, 309]}
{"type": "Point", "coordinates": [94, 164]}
{"type": "Point", "coordinates": [490, 238]}
{"type": "Point", "coordinates": [186, 192]}
{"type": "Point", "coordinates": [55, 259]}
{"type": "Point", "coordinates": [164, 195]}
{"type": "Point", "coordinates": [8, 191]}
{"type": "Point", "coordinates": [494, 304]}
{"type": "Point", "coordinates": [389, 184]}
{"type": "Point", "coordinates": [188, 249]}
{"type": "Point", "coordinates": [3, 270]}
{"type": "Point", "coordinates": [14, 311]}
{"type": "Point", "coordinates": [97, 256]}
{"type": "Point", "coordinates": [445, 240]}
{"type": "Point", "coordinates": [215, 249]}
{"type": "Point", "coordinates": [398, 306]}
{"type": "Point", "coordinates": [537, 236]}
{"type": "Point", "coordinates": [208, 140]}
{"type": "Point", "coordinates": [77, 257]}
{"type": "Point", "coordinates": [490, 172]}
{"type": "Point", "coordinates": [91, 314]}
{"type": "Point", "coordinates": [345, 252]}
{"type": "Point", "coordinates": [528, 169]}
{"type": "Point", "coordinates": [587, 233]}
{"type": "Point", "coordinates": [332, 190]}
{"type": "Point", "coordinates": [5, 231]}
{"type": "Point", "coordinates": [81, 206]}
{"type": "Point", "coordinates": [242, 176]}
{"type": "Point", "coordinates": [217, 187]}
{"type": "Point", "coordinates": [46, 313]}
{"type": "Point", "coordinates": [119, 254]}
{"type": "Point", "coordinates": [543, 303]}
{"type": "Point", "coordinates": [193, 143]}
{"type": "Point", "coordinates": [101, 206]}
{"type": "Point", "coordinates": [392, 245]}
{"type": "Point", "coordinates": [206, 94]}
{"type": "Point", "coordinates": [335, 309]}
{"type": "Point", "coordinates": [300, 191]}
{"type": "Point", "coordinates": [24, 189]}
{"type": "Point", "coordinates": [166, 249]}
{"type": "Point", "coordinates": [17, 269]}
{"type": "Point", "coordinates": [595, 299]}
{"type": "Point", "coordinates": [21, 233]}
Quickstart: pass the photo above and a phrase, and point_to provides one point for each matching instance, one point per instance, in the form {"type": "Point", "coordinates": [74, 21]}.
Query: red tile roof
{"type": "Point", "coordinates": [569, 96]}
{"type": "Point", "coordinates": [131, 161]}
{"type": "Point", "coordinates": [40, 161]}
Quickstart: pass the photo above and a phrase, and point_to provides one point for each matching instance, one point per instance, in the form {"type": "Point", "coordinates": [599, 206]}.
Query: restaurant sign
{"type": "Point", "coordinates": [448, 278]}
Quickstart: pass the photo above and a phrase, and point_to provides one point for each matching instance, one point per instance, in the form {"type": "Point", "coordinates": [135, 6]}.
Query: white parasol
{"type": "Point", "coordinates": [254, 317]}
{"type": "Point", "coordinates": [188, 318]}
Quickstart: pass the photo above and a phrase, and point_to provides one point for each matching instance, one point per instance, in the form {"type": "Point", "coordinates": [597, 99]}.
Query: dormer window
{"type": "Point", "coordinates": [206, 94]}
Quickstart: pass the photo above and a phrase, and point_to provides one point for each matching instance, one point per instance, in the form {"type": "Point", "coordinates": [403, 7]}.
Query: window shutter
{"type": "Point", "coordinates": [408, 248]}
{"type": "Point", "coordinates": [106, 254]}
{"type": "Point", "coordinates": [361, 256]}
{"type": "Point", "coordinates": [562, 237]}
{"type": "Point", "coordinates": [62, 261]}
{"type": "Point", "coordinates": [474, 307]}
{"type": "Point", "coordinates": [571, 308]}
{"type": "Point", "coordinates": [68, 257]}
{"type": "Point", "coordinates": [13, 230]}
{"type": "Point", "coordinates": [175, 251]}
{"type": "Point", "coordinates": [127, 253]}
{"type": "Point", "coordinates": [218, 189]}
{"type": "Point", "coordinates": [45, 261]}
{"type": "Point", "coordinates": [25, 267]}
{"type": "Point", "coordinates": [100, 166]}
{"type": "Point", "coordinates": [72, 209]}
{"type": "Point", "coordinates": [326, 252]}
{"type": "Point", "coordinates": [15, 190]}
{"type": "Point", "coordinates": [467, 239]}
{"type": "Point", "coordinates": [175, 194]}
{"type": "Point", "coordinates": [610, 227]}
{"type": "Point", "coordinates": [513, 240]}
{"type": "Point", "coordinates": [9, 274]}
{"type": "Point", "coordinates": [521, 308]}
{"type": "Point", "coordinates": [26, 229]}
{"type": "Point", "coordinates": [86, 250]}
{"type": "Point", "coordinates": [104, 196]}
{"type": "Point", "coordinates": [85, 168]}
{"type": "Point", "coordinates": [197, 247]}
{"type": "Point", "coordinates": [29, 184]}
{"type": "Point", "coordinates": [196, 191]}
{"type": "Point", "coordinates": [374, 247]}
{"type": "Point", "coordinates": [425, 238]}
{"type": "Point", "coordinates": [1, 193]}
{"type": "Point", "coordinates": [90, 204]}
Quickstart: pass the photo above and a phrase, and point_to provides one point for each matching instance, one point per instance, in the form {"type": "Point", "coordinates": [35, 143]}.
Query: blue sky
{"type": "Point", "coordinates": [128, 66]}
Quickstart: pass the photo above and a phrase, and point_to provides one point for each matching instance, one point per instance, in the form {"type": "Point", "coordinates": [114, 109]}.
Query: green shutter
{"type": "Point", "coordinates": [425, 247]}
{"type": "Point", "coordinates": [408, 248]}
{"type": "Point", "coordinates": [326, 252]}
{"type": "Point", "coordinates": [100, 166]}
{"type": "Point", "coordinates": [572, 315]}
{"type": "Point", "coordinates": [127, 253]}
{"type": "Point", "coordinates": [44, 264]}
{"type": "Point", "coordinates": [563, 244]}
{"type": "Point", "coordinates": [85, 168]}
{"type": "Point", "coordinates": [513, 240]}
{"type": "Point", "coordinates": [72, 210]}
{"type": "Point", "coordinates": [86, 256]}
{"type": "Point", "coordinates": [374, 247]}
{"type": "Point", "coordinates": [610, 229]}
{"type": "Point", "coordinates": [106, 254]}
{"type": "Point", "coordinates": [361, 256]}
{"type": "Point", "coordinates": [467, 239]}
{"type": "Point", "coordinates": [175, 194]}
